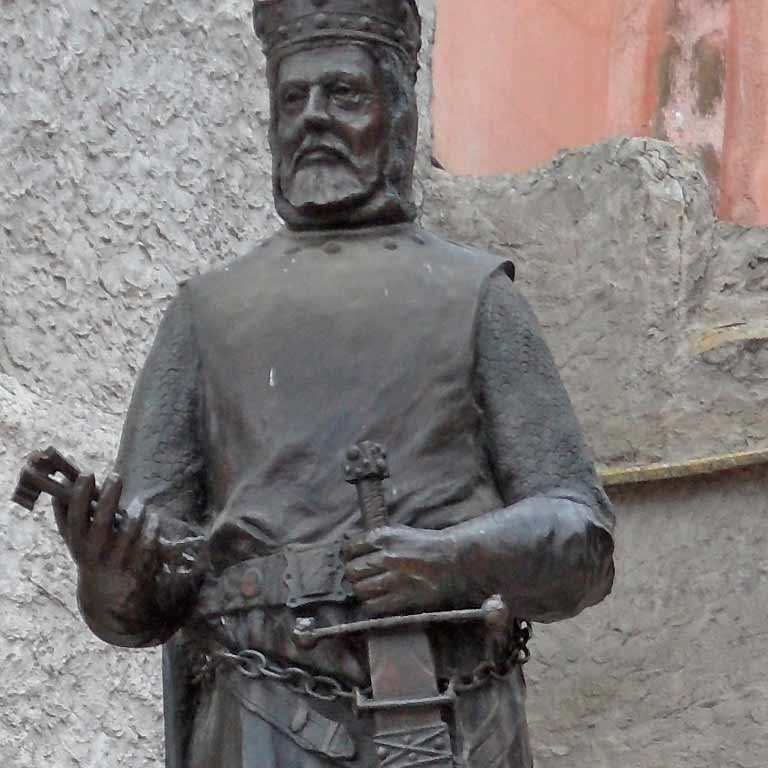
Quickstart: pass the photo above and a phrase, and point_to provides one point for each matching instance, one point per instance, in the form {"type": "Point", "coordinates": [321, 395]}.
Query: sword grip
{"type": "Point", "coordinates": [366, 468]}
{"type": "Point", "coordinates": [373, 505]}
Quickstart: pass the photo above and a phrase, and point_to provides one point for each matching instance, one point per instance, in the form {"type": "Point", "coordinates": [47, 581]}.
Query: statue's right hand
{"type": "Point", "coordinates": [117, 555]}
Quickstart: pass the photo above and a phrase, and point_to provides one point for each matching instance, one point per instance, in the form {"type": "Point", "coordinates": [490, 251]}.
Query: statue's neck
{"type": "Point", "coordinates": [346, 231]}
{"type": "Point", "coordinates": [383, 208]}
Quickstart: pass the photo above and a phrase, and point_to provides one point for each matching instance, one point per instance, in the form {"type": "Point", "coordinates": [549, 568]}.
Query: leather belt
{"type": "Point", "coordinates": [297, 575]}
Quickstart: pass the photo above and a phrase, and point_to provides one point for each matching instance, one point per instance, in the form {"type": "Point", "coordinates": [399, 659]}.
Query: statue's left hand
{"type": "Point", "coordinates": [397, 569]}
{"type": "Point", "coordinates": [119, 558]}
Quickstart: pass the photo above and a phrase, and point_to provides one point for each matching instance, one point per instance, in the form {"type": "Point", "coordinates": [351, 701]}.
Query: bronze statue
{"type": "Point", "coordinates": [308, 622]}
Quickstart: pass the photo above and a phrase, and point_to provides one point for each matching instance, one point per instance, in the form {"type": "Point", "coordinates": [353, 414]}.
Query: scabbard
{"type": "Point", "coordinates": [407, 707]}
{"type": "Point", "coordinates": [407, 731]}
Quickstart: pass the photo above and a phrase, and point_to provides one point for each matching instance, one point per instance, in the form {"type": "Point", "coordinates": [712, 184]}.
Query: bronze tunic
{"type": "Point", "coordinates": [263, 374]}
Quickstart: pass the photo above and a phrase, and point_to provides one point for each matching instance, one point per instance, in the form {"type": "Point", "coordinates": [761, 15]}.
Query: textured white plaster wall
{"type": "Point", "coordinates": [133, 154]}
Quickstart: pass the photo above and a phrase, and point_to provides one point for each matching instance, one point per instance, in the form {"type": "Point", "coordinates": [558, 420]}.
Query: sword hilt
{"type": "Point", "coordinates": [366, 468]}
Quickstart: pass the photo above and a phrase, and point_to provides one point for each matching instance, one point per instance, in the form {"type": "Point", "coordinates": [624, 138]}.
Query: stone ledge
{"type": "Point", "coordinates": [686, 469]}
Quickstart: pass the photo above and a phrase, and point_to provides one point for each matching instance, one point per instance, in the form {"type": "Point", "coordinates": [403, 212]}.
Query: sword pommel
{"type": "Point", "coordinates": [366, 461]}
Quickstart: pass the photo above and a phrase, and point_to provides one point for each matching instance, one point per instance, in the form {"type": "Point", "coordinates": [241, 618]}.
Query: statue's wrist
{"type": "Point", "coordinates": [458, 581]}
{"type": "Point", "coordinates": [470, 565]}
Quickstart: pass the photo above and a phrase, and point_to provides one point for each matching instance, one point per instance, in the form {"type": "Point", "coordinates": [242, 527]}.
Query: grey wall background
{"type": "Point", "coordinates": [133, 154]}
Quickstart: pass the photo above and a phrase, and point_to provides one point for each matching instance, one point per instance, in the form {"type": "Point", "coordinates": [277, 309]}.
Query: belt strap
{"type": "Point", "coordinates": [289, 714]}
{"type": "Point", "coordinates": [299, 574]}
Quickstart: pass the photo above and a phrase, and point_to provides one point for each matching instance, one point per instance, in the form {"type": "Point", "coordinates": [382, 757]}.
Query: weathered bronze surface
{"type": "Point", "coordinates": [406, 705]}
{"type": "Point", "coordinates": [303, 626]}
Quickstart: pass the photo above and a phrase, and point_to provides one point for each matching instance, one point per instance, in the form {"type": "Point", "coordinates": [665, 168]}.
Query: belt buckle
{"type": "Point", "coordinates": [315, 574]}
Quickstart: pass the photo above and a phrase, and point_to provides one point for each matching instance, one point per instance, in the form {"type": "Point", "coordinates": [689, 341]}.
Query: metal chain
{"type": "Point", "coordinates": [486, 670]}
{"type": "Point", "coordinates": [256, 665]}
{"type": "Point", "coordinates": [522, 632]}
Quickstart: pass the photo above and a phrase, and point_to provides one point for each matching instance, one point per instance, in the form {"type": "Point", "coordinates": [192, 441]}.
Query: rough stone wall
{"type": "Point", "coordinates": [669, 671]}
{"type": "Point", "coordinates": [133, 154]}
{"type": "Point", "coordinates": [636, 283]}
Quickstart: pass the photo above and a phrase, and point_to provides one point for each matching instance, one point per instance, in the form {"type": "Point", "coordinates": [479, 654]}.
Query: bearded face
{"type": "Point", "coordinates": [330, 129]}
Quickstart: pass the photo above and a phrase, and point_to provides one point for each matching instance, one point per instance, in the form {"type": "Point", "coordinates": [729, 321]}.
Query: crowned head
{"type": "Point", "coordinates": [343, 108]}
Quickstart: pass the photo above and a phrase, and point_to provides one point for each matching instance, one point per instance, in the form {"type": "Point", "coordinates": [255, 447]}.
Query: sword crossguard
{"type": "Point", "coordinates": [494, 613]}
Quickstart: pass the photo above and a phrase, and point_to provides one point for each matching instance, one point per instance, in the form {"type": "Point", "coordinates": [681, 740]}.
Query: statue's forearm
{"type": "Point", "coordinates": [548, 556]}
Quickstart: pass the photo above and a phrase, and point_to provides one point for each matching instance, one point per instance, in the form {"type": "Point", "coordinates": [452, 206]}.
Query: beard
{"type": "Point", "coordinates": [331, 182]}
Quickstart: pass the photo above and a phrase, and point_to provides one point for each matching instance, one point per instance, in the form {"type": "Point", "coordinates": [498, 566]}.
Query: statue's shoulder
{"type": "Point", "coordinates": [377, 254]}
{"type": "Point", "coordinates": [455, 251]}
{"type": "Point", "coordinates": [216, 281]}
{"type": "Point", "coordinates": [475, 262]}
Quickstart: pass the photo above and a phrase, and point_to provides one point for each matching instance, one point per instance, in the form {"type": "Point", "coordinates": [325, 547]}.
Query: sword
{"type": "Point", "coordinates": [409, 730]}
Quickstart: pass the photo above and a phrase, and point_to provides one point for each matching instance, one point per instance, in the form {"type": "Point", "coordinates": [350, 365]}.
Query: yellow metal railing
{"type": "Point", "coordinates": [693, 468]}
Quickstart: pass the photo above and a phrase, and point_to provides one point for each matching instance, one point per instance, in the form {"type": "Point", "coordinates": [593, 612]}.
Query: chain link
{"type": "Point", "coordinates": [256, 665]}
{"type": "Point", "coordinates": [486, 670]}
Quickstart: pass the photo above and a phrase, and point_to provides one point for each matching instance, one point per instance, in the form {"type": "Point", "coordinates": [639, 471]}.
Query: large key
{"type": "Point", "coordinates": [38, 476]}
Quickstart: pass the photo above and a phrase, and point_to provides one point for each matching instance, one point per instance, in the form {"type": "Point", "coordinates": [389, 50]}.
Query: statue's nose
{"type": "Point", "coordinates": [316, 110]}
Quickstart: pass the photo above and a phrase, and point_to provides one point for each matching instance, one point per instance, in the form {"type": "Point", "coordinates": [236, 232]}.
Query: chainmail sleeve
{"type": "Point", "coordinates": [160, 457]}
{"type": "Point", "coordinates": [161, 463]}
{"type": "Point", "coordinates": [550, 551]}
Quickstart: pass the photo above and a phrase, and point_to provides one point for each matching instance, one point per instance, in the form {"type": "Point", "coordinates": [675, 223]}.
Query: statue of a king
{"type": "Point", "coordinates": [227, 531]}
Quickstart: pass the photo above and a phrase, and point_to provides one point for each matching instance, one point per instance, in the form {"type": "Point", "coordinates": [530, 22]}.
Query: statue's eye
{"type": "Point", "coordinates": [293, 98]}
{"type": "Point", "coordinates": [347, 96]}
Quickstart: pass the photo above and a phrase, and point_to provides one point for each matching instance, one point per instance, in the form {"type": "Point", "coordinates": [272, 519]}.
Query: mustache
{"type": "Point", "coordinates": [330, 147]}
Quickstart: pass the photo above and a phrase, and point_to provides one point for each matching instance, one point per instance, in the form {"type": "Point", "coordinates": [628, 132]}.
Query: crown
{"type": "Point", "coordinates": [283, 24]}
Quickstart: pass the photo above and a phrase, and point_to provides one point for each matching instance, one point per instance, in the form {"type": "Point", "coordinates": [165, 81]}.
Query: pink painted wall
{"type": "Point", "coordinates": [515, 81]}
{"type": "Point", "coordinates": [744, 187]}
